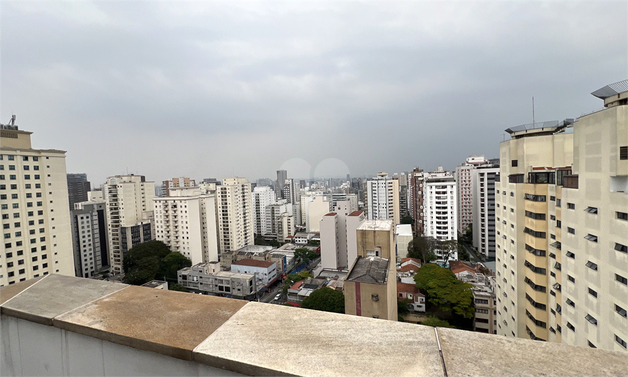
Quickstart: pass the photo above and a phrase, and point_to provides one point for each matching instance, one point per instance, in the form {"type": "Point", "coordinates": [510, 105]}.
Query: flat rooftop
{"type": "Point", "coordinates": [189, 334]}
{"type": "Point", "coordinates": [376, 225]}
{"type": "Point", "coordinates": [253, 249]}
{"type": "Point", "coordinates": [371, 270]}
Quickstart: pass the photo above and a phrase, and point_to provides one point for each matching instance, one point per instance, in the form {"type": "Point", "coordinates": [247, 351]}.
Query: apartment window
{"type": "Point", "coordinates": [591, 319]}
{"type": "Point", "coordinates": [620, 341]}
{"type": "Point", "coordinates": [570, 303]}
{"type": "Point", "coordinates": [571, 255]}
{"type": "Point", "coordinates": [621, 311]}
{"type": "Point", "coordinates": [591, 344]}
{"type": "Point", "coordinates": [592, 293]}
{"type": "Point", "coordinates": [592, 210]}
{"type": "Point", "coordinates": [571, 230]}
{"type": "Point", "coordinates": [571, 206]}
{"type": "Point", "coordinates": [622, 215]}
{"type": "Point", "coordinates": [591, 237]}
{"type": "Point", "coordinates": [570, 327]}
{"type": "Point", "coordinates": [621, 279]}
{"type": "Point", "coordinates": [623, 155]}
{"type": "Point", "coordinates": [552, 198]}
{"type": "Point", "coordinates": [591, 265]}
{"type": "Point", "coordinates": [620, 247]}
{"type": "Point", "coordinates": [514, 163]}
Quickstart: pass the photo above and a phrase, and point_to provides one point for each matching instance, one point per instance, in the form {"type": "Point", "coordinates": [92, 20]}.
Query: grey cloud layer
{"type": "Point", "coordinates": [216, 89]}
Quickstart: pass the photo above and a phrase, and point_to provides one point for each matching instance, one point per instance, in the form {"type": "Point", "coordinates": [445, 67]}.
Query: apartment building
{"type": "Point", "coordinates": [282, 175]}
{"type": "Point", "coordinates": [382, 198]}
{"type": "Point", "coordinates": [89, 232]}
{"type": "Point", "coordinates": [207, 278]}
{"type": "Point", "coordinates": [78, 187]}
{"type": "Point", "coordinates": [465, 190]}
{"type": "Point", "coordinates": [440, 206]}
{"type": "Point", "coordinates": [338, 236]}
{"type": "Point", "coordinates": [592, 270]}
{"type": "Point", "coordinates": [176, 183]}
{"type": "Point", "coordinates": [403, 193]}
{"type": "Point", "coordinates": [235, 214]}
{"type": "Point", "coordinates": [35, 211]}
{"type": "Point", "coordinates": [274, 214]}
{"type": "Point", "coordinates": [129, 200]}
{"type": "Point", "coordinates": [528, 212]}
{"type": "Point", "coordinates": [262, 197]}
{"type": "Point", "coordinates": [483, 207]}
{"type": "Point", "coordinates": [416, 200]}
{"type": "Point", "coordinates": [186, 222]}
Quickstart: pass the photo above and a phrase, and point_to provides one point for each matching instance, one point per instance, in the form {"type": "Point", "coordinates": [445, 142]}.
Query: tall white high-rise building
{"type": "Point", "coordinates": [440, 208]}
{"type": "Point", "coordinates": [262, 197]}
{"type": "Point", "coordinates": [186, 222]}
{"type": "Point", "coordinates": [235, 214]}
{"type": "Point", "coordinates": [35, 209]}
{"type": "Point", "coordinates": [338, 236]}
{"type": "Point", "coordinates": [383, 198]}
{"type": "Point", "coordinates": [129, 201]}
{"type": "Point", "coordinates": [274, 213]}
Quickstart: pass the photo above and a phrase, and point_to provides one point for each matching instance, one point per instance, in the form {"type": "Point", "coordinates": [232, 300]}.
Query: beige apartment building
{"type": "Point", "coordinates": [382, 198]}
{"type": "Point", "coordinates": [234, 214]}
{"type": "Point", "coordinates": [173, 183]}
{"type": "Point", "coordinates": [561, 228]}
{"type": "Point", "coordinates": [371, 284]}
{"type": "Point", "coordinates": [37, 238]}
{"type": "Point", "coordinates": [129, 201]}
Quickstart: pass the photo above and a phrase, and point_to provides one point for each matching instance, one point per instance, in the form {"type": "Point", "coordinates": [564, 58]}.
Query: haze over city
{"type": "Point", "coordinates": [321, 89]}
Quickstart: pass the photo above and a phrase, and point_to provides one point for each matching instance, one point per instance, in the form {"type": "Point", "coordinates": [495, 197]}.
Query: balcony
{"type": "Point", "coordinates": [89, 327]}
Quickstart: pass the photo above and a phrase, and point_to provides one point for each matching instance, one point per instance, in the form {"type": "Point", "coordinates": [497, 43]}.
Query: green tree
{"type": "Point", "coordinates": [150, 260]}
{"type": "Point", "coordinates": [402, 306]}
{"type": "Point", "coordinates": [325, 299]}
{"type": "Point", "coordinates": [422, 248]}
{"type": "Point", "coordinates": [293, 278]}
{"type": "Point", "coordinates": [444, 290]}
{"type": "Point", "coordinates": [304, 254]}
{"type": "Point", "coordinates": [177, 287]}
{"type": "Point", "coordinates": [436, 322]}
{"type": "Point", "coordinates": [314, 243]}
{"type": "Point", "coordinates": [172, 263]}
{"type": "Point", "coordinates": [407, 219]}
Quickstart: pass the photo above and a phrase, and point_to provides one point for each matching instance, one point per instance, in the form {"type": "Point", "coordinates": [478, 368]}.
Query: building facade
{"type": "Point", "coordinates": [440, 209]}
{"type": "Point", "coordinates": [235, 214]}
{"type": "Point", "coordinates": [382, 195]}
{"type": "Point", "coordinates": [483, 208]}
{"type": "Point", "coordinates": [129, 200]}
{"type": "Point", "coordinates": [176, 183]}
{"type": "Point", "coordinates": [262, 197]}
{"type": "Point", "coordinates": [78, 187]}
{"type": "Point", "coordinates": [89, 231]}
{"type": "Point", "coordinates": [416, 200]}
{"type": "Point", "coordinates": [338, 237]}
{"type": "Point", "coordinates": [186, 222]}
{"type": "Point", "coordinates": [35, 212]}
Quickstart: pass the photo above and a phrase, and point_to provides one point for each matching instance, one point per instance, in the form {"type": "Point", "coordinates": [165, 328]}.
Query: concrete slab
{"type": "Point", "coordinates": [42, 302]}
{"type": "Point", "coordinates": [468, 353]}
{"type": "Point", "coordinates": [10, 291]}
{"type": "Point", "coordinates": [264, 339]}
{"type": "Point", "coordinates": [167, 322]}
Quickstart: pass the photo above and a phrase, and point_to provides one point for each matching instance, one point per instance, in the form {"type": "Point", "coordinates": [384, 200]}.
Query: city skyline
{"type": "Point", "coordinates": [322, 89]}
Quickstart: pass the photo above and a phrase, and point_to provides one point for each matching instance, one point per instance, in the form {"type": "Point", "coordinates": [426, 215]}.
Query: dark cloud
{"type": "Point", "coordinates": [215, 89]}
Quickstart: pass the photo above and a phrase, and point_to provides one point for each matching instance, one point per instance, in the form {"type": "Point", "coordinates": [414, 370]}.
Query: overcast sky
{"type": "Point", "coordinates": [211, 89]}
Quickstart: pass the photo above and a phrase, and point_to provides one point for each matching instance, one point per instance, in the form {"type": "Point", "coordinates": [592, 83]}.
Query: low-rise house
{"type": "Point", "coordinates": [411, 292]}
{"type": "Point", "coordinates": [207, 278]}
{"type": "Point", "coordinates": [301, 290]}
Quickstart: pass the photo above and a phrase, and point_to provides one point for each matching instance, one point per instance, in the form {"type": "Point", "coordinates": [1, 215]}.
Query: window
{"type": "Point", "coordinates": [571, 255]}
{"type": "Point", "coordinates": [592, 293]}
{"type": "Point", "coordinates": [552, 198]}
{"type": "Point", "coordinates": [536, 216]}
{"type": "Point", "coordinates": [570, 303]}
{"type": "Point", "coordinates": [622, 248]}
{"type": "Point", "coordinates": [591, 344]}
{"type": "Point", "coordinates": [622, 215]}
{"type": "Point", "coordinates": [571, 230]}
{"type": "Point", "coordinates": [570, 327]}
{"type": "Point", "coordinates": [571, 278]}
{"type": "Point", "coordinates": [591, 237]}
{"type": "Point", "coordinates": [514, 163]}
{"type": "Point", "coordinates": [620, 341]}
{"type": "Point", "coordinates": [621, 279]}
{"type": "Point", "coordinates": [591, 265]}
{"type": "Point", "coordinates": [621, 311]}
{"type": "Point", "coordinates": [592, 210]}
{"type": "Point", "coordinates": [535, 198]}
{"type": "Point", "coordinates": [571, 206]}
{"type": "Point", "coordinates": [591, 319]}
{"type": "Point", "coordinates": [623, 155]}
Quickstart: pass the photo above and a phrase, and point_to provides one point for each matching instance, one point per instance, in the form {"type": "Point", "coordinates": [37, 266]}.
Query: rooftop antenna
{"type": "Point", "coordinates": [533, 119]}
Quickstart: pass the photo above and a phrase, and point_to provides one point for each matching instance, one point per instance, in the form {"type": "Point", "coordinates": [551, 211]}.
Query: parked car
{"type": "Point", "coordinates": [278, 297]}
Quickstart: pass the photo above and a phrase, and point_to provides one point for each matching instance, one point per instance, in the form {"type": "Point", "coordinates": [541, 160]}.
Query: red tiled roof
{"type": "Point", "coordinates": [331, 214]}
{"type": "Point", "coordinates": [457, 267]}
{"type": "Point", "coordinates": [253, 263]}
{"type": "Point", "coordinates": [356, 213]}
{"type": "Point", "coordinates": [410, 259]}
{"type": "Point", "coordinates": [408, 267]}
{"type": "Point", "coordinates": [408, 288]}
{"type": "Point", "coordinates": [297, 285]}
